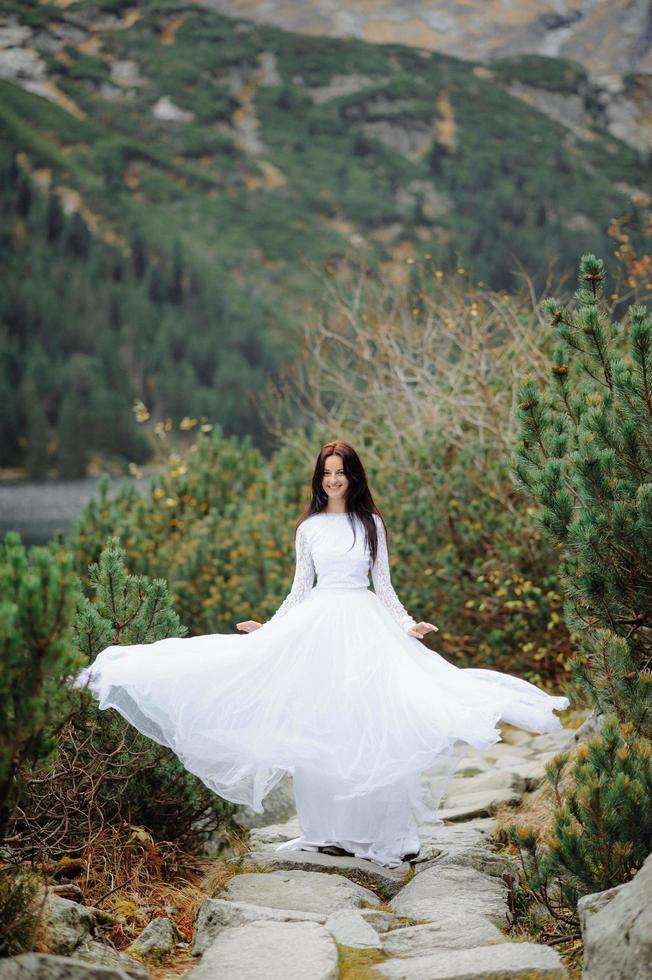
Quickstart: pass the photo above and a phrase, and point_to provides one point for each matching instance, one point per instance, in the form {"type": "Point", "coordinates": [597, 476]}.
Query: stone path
{"type": "Point", "coordinates": [295, 914]}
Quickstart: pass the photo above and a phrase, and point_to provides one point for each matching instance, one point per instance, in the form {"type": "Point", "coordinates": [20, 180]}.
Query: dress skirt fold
{"type": "Point", "coordinates": [367, 719]}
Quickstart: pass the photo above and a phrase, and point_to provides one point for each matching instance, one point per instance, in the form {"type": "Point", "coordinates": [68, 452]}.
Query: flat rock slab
{"type": "Point", "coordinates": [482, 828]}
{"type": "Point", "coordinates": [518, 960]}
{"type": "Point", "coordinates": [455, 840]}
{"type": "Point", "coordinates": [517, 736]}
{"type": "Point", "coordinates": [502, 779]}
{"type": "Point", "coordinates": [466, 805]}
{"type": "Point", "coordinates": [555, 741]}
{"type": "Point", "coordinates": [270, 951]}
{"type": "Point", "coordinates": [390, 879]}
{"type": "Point", "coordinates": [215, 915]}
{"type": "Point", "coordinates": [461, 932]}
{"type": "Point", "coordinates": [349, 928]}
{"type": "Point", "coordinates": [473, 763]}
{"type": "Point", "coordinates": [512, 759]}
{"type": "Point", "coordinates": [43, 966]}
{"type": "Point", "coordinates": [446, 892]}
{"type": "Point", "coordinates": [532, 772]}
{"type": "Point", "coordinates": [305, 891]}
{"type": "Point", "coordinates": [263, 837]}
{"type": "Point", "coordinates": [481, 858]}
{"type": "Point", "coordinates": [504, 750]}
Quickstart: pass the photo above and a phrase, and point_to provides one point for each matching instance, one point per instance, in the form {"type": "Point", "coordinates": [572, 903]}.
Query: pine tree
{"type": "Point", "coordinates": [139, 257]}
{"type": "Point", "coordinates": [72, 456]}
{"type": "Point", "coordinates": [77, 237]}
{"type": "Point", "coordinates": [38, 596]}
{"type": "Point", "coordinates": [24, 195]}
{"type": "Point", "coordinates": [602, 823]}
{"type": "Point", "coordinates": [36, 450]}
{"type": "Point", "coordinates": [127, 608]}
{"type": "Point", "coordinates": [55, 219]}
{"type": "Point", "coordinates": [175, 289]}
{"type": "Point", "coordinates": [105, 769]}
{"type": "Point", "coordinates": [585, 455]}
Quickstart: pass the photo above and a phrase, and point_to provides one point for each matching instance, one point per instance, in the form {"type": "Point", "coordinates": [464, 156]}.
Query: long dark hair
{"type": "Point", "coordinates": [359, 502]}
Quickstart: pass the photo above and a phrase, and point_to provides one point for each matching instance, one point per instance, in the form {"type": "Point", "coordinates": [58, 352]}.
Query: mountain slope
{"type": "Point", "coordinates": [234, 152]}
{"type": "Point", "coordinates": [258, 145]}
{"type": "Point", "coordinates": [606, 36]}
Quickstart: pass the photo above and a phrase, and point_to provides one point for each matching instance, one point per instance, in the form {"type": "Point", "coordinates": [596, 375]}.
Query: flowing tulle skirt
{"type": "Point", "coordinates": [369, 721]}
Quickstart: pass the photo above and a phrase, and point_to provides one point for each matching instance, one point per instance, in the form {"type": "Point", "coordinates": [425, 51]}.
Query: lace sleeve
{"type": "Point", "coordinates": [382, 581]}
{"type": "Point", "coordinates": [304, 575]}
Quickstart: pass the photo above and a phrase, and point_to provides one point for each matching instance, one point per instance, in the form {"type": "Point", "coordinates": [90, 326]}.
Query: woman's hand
{"type": "Point", "coordinates": [421, 629]}
{"type": "Point", "coordinates": [249, 625]}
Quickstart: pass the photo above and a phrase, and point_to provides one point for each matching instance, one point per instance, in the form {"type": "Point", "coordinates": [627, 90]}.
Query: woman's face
{"type": "Point", "coordinates": [334, 482]}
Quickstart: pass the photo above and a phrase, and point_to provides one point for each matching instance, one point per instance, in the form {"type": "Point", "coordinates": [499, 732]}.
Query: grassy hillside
{"type": "Point", "coordinates": [245, 149]}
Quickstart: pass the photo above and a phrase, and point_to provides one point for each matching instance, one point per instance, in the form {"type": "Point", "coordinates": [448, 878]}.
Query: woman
{"type": "Point", "coordinates": [335, 688]}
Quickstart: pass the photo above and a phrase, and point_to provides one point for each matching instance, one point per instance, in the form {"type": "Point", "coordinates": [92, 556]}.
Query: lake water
{"type": "Point", "coordinates": [37, 508]}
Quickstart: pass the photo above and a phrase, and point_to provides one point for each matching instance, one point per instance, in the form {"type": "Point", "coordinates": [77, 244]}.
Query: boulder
{"type": "Point", "coordinates": [126, 73]}
{"type": "Point", "coordinates": [68, 924]}
{"type": "Point", "coordinates": [617, 929]}
{"type": "Point", "coordinates": [304, 891]}
{"type": "Point", "coordinates": [157, 938]}
{"type": "Point", "coordinates": [590, 728]}
{"type": "Point", "coordinates": [102, 955]}
{"type": "Point", "coordinates": [165, 110]}
{"type": "Point", "coordinates": [43, 966]}
{"type": "Point", "coordinates": [70, 930]}
{"type": "Point", "coordinates": [270, 951]}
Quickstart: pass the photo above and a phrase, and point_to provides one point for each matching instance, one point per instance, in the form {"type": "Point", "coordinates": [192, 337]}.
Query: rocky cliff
{"type": "Point", "coordinates": [606, 36]}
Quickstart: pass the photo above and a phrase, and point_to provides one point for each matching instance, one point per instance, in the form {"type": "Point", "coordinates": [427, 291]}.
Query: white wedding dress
{"type": "Point", "coordinates": [332, 689]}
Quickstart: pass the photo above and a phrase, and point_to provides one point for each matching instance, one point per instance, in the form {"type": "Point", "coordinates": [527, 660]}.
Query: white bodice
{"type": "Point", "coordinates": [325, 547]}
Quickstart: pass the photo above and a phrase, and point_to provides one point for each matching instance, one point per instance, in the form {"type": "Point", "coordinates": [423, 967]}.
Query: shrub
{"type": "Point", "coordinates": [38, 593]}
{"type": "Point", "coordinates": [602, 823]}
{"type": "Point", "coordinates": [585, 455]}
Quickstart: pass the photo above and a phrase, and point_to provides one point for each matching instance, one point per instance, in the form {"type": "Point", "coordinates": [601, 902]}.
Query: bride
{"type": "Point", "coordinates": [336, 689]}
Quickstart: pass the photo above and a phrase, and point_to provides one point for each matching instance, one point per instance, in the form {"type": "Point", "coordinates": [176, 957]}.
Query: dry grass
{"type": "Point", "coordinates": [133, 879]}
{"type": "Point", "coordinates": [358, 964]}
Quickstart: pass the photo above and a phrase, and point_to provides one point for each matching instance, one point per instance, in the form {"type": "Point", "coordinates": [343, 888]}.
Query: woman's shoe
{"type": "Point", "coordinates": [335, 851]}
{"type": "Point", "coordinates": [411, 857]}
